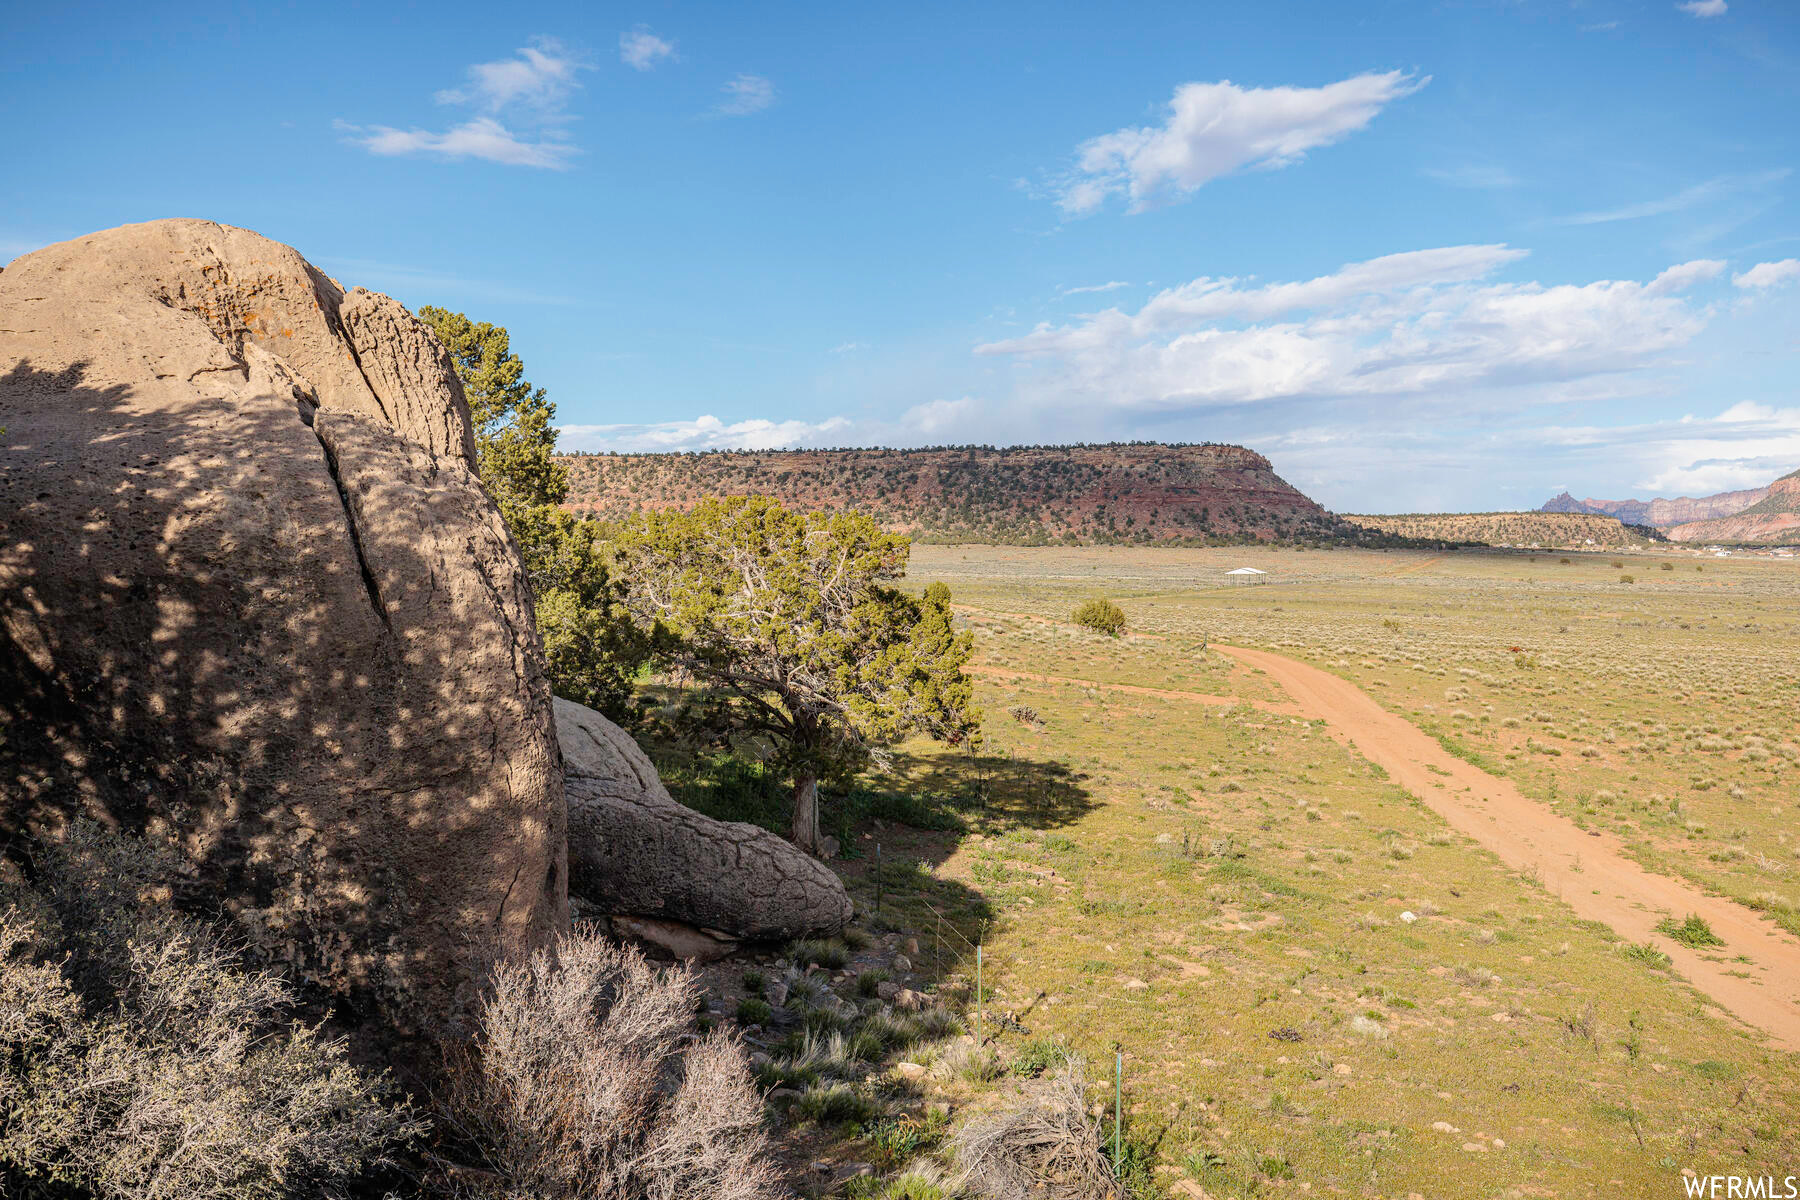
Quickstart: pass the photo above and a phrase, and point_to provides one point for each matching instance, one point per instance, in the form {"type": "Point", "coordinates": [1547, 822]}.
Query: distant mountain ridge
{"type": "Point", "coordinates": [1131, 493]}
{"type": "Point", "coordinates": [1773, 520]}
{"type": "Point", "coordinates": [1660, 513]}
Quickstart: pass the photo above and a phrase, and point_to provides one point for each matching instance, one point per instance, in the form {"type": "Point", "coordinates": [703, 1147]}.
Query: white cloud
{"type": "Point", "coordinates": [1495, 460]}
{"type": "Point", "coordinates": [483, 138]}
{"type": "Point", "coordinates": [849, 347]}
{"type": "Point", "coordinates": [1685, 275]}
{"type": "Point", "coordinates": [702, 433]}
{"type": "Point", "coordinates": [1481, 178]}
{"type": "Point", "coordinates": [1214, 129]}
{"type": "Point", "coordinates": [744, 95]}
{"type": "Point", "coordinates": [1769, 274]}
{"type": "Point", "coordinates": [1421, 324]}
{"type": "Point", "coordinates": [1704, 8]}
{"type": "Point", "coordinates": [533, 87]}
{"type": "Point", "coordinates": [1712, 189]}
{"type": "Point", "coordinates": [1746, 445]}
{"type": "Point", "coordinates": [1114, 286]}
{"type": "Point", "coordinates": [539, 76]}
{"type": "Point", "coordinates": [642, 49]}
{"type": "Point", "coordinates": [938, 417]}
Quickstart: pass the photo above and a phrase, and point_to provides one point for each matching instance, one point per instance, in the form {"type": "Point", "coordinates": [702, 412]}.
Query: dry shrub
{"type": "Point", "coordinates": [1043, 1144]}
{"type": "Point", "coordinates": [585, 1080]}
{"type": "Point", "coordinates": [140, 1058]}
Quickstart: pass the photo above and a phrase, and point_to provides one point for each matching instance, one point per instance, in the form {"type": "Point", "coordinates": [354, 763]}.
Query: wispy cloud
{"type": "Point", "coordinates": [1769, 274]}
{"type": "Point", "coordinates": [531, 89]}
{"type": "Point", "coordinates": [1214, 129]}
{"type": "Point", "coordinates": [1484, 178]}
{"type": "Point", "coordinates": [1713, 189]}
{"type": "Point", "coordinates": [483, 138]}
{"type": "Point", "coordinates": [702, 433]}
{"type": "Point", "coordinates": [538, 76]}
{"type": "Point", "coordinates": [744, 95]}
{"type": "Point", "coordinates": [1114, 286]}
{"type": "Point", "coordinates": [1704, 8]}
{"type": "Point", "coordinates": [849, 347]}
{"type": "Point", "coordinates": [642, 50]}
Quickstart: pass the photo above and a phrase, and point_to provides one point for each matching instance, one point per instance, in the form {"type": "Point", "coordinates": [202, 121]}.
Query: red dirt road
{"type": "Point", "coordinates": [1589, 873]}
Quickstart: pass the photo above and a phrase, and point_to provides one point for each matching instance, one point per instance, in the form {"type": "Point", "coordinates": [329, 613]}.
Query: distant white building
{"type": "Point", "coordinates": [1245, 575]}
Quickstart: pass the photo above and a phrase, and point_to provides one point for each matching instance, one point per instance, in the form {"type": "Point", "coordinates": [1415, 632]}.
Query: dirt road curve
{"type": "Point", "coordinates": [1591, 874]}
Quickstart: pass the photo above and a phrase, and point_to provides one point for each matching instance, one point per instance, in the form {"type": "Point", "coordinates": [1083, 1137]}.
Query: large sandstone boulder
{"type": "Point", "coordinates": [254, 600]}
{"type": "Point", "coordinates": [634, 852]}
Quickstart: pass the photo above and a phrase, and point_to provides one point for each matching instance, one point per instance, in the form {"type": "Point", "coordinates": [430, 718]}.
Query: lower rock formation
{"type": "Point", "coordinates": [638, 855]}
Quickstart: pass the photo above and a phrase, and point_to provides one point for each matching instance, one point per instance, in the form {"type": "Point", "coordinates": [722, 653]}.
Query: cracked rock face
{"type": "Point", "coordinates": [634, 852]}
{"type": "Point", "coordinates": [254, 600]}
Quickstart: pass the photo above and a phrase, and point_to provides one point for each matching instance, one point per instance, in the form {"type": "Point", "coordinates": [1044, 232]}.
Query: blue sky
{"type": "Point", "coordinates": [1423, 255]}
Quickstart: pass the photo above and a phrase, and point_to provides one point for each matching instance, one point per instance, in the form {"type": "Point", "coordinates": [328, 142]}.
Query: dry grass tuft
{"type": "Point", "coordinates": [1044, 1144]}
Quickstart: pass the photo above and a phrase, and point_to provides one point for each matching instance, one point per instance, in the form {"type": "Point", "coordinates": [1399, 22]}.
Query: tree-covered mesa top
{"type": "Point", "coordinates": [789, 617]}
{"type": "Point", "coordinates": [1127, 493]}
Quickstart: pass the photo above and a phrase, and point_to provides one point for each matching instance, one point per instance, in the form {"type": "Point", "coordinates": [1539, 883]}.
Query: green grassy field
{"type": "Point", "coordinates": [1227, 905]}
{"type": "Point", "coordinates": [1317, 987]}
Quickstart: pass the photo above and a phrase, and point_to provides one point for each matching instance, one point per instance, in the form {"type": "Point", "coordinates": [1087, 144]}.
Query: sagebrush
{"type": "Point", "coordinates": [585, 1079]}
{"type": "Point", "coordinates": [141, 1058]}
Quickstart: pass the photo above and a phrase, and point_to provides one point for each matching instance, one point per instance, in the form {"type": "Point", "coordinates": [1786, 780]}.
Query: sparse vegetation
{"type": "Point", "coordinates": [1692, 932]}
{"type": "Point", "coordinates": [140, 1057]}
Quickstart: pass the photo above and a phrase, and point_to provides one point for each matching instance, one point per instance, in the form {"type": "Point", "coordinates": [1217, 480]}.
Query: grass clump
{"type": "Point", "coordinates": [754, 1011]}
{"type": "Point", "coordinates": [835, 1104]}
{"type": "Point", "coordinates": [1694, 932]}
{"type": "Point", "coordinates": [913, 1185]}
{"type": "Point", "coordinates": [970, 1061]}
{"type": "Point", "coordinates": [1038, 1056]}
{"type": "Point", "coordinates": [1101, 615]}
{"type": "Point", "coordinates": [896, 1141]}
{"type": "Point", "coordinates": [1645, 953]}
{"type": "Point", "coordinates": [822, 952]}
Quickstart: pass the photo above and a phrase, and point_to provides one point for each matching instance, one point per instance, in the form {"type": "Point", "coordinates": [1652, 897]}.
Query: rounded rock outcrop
{"type": "Point", "coordinates": [255, 603]}
{"type": "Point", "coordinates": [634, 852]}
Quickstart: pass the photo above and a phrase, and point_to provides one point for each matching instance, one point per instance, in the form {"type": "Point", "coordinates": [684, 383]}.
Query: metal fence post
{"type": "Point", "coordinates": [1118, 1104]}
{"type": "Point", "coordinates": [978, 995]}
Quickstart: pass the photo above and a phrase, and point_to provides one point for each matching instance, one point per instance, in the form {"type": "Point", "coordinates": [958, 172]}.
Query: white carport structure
{"type": "Point", "coordinates": [1246, 575]}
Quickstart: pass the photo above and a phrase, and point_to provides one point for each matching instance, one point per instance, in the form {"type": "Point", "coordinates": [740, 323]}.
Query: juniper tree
{"type": "Point", "coordinates": [789, 617]}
